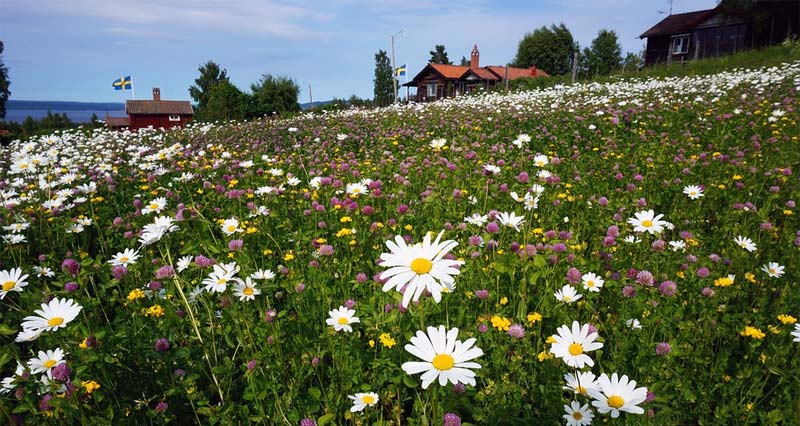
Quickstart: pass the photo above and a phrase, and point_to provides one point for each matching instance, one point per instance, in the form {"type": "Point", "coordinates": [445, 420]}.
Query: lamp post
{"type": "Point", "coordinates": [394, 69]}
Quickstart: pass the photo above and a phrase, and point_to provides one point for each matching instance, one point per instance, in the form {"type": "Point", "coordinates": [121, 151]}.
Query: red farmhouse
{"type": "Point", "coordinates": [437, 81]}
{"type": "Point", "coordinates": [155, 113]}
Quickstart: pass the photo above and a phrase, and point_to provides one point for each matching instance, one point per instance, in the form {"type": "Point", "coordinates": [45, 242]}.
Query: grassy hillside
{"type": "Point", "coordinates": [485, 260]}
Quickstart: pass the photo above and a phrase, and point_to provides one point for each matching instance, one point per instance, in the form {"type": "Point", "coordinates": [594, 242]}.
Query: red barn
{"type": "Point", "coordinates": [155, 113]}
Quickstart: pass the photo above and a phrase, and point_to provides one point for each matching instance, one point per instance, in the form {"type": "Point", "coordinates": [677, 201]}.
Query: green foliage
{"type": "Point", "coordinates": [210, 75]}
{"type": "Point", "coordinates": [225, 102]}
{"type": "Point", "coordinates": [603, 58]}
{"type": "Point", "coordinates": [464, 61]}
{"type": "Point", "coordinates": [439, 55]}
{"type": "Point", "coordinates": [273, 95]}
{"type": "Point", "coordinates": [550, 49]}
{"type": "Point", "coordinates": [4, 84]}
{"type": "Point", "coordinates": [633, 62]}
{"type": "Point", "coordinates": [384, 86]}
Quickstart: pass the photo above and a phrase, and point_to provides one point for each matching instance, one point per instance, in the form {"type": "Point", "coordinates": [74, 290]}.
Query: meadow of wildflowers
{"type": "Point", "coordinates": [620, 253]}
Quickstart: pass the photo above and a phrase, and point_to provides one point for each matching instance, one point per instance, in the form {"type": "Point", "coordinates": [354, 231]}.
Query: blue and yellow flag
{"type": "Point", "coordinates": [400, 71]}
{"type": "Point", "coordinates": [123, 83]}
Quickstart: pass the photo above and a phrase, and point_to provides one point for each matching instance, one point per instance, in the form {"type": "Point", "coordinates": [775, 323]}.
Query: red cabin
{"type": "Point", "coordinates": [155, 113]}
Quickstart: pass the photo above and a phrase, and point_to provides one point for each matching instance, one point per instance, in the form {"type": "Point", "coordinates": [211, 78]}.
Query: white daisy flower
{"type": "Point", "coordinates": [476, 219]}
{"type": "Point", "coordinates": [184, 262]}
{"type": "Point", "coordinates": [577, 414]}
{"type": "Point", "coordinates": [246, 290]}
{"type": "Point", "coordinates": [54, 315]}
{"type": "Point", "coordinates": [511, 220]}
{"type": "Point", "coordinates": [263, 274]}
{"type": "Point", "coordinates": [492, 169]}
{"type": "Point", "coordinates": [693, 191]}
{"type": "Point", "coordinates": [796, 333]}
{"type": "Point", "coordinates": [12, 280]}
{"type": "Point", "coordinates": [443, 357]}
{"type": "Point", "coordinates": [222, 275]}
{"type": "Point", "coordinates": [341, 318]}
{"type": "Point", "coordinates": [231, 226]}
{"type": "Point", "coordinates": [541, 160]}
{"type": "Point", "coordinates": [45, 361]}
{"type": "Point", "coordinates": [617, 394]}
{"type": "Point", "coordinates": [580, 382]}
{"type": "Point", "coordinates": [572, 344]}
{"type": "Point", "coordinates": [567, 294]}
{"type": "Point", "coordinates": [124, 258]}
{"type": "Point", "coordinates": [438, 144]}
{"type": "Point", "coordinates": [647, 221]}
{"type": "Point", "coordinates": [592, 282]}
{"type": "Point", "coordinates": [633, 324]}
{"type": "Point", "coordinates": [356, 189]}
{"type": "Point", "coordinates": [773, 269]}
{"type": "Point", "coordinates": [43, 271]}
{"type": "Point", "coordinates": [419, 267]}
{"type": "Point", "coordinates": [362, 400]}
{"type": "Point", "coordinates": [155, 206]}
{"type": "Point", "coordinates": [677, 245]}
{"type": "Point", "coordinates": [745, 243]}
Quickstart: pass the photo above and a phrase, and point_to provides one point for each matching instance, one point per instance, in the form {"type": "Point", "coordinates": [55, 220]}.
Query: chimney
{"type": "Point", "coordinates": [474, 59]}
{"type": "Point", "coordinates": [156, 94]}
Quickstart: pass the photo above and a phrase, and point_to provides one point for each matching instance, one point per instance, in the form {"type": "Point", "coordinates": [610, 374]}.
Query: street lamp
{"type": "Point", "coordinates": [394, 67]}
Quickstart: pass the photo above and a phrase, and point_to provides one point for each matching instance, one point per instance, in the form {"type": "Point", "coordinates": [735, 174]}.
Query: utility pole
{"type": "Point", "coordinates": [310, 98]}
{"type": "Point", "coordinates": [394, 69]}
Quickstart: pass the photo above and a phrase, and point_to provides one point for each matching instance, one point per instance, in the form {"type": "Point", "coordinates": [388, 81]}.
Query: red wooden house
{"type": "Point", "coordinates": [437, 81]}
{"type": "Point", "coordinates": [155, 113]}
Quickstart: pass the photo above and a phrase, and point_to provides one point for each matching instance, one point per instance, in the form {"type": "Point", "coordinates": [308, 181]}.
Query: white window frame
{"type": "Point", "coordinates": [174, 117]}
{"type": "Point", "coordinates": [431, 90]}
{"type": "Point", "coordinates": [681, 40]}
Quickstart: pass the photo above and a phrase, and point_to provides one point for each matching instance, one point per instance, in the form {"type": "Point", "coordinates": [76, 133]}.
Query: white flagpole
{"type": "Point", "coordinates": [133, 90]}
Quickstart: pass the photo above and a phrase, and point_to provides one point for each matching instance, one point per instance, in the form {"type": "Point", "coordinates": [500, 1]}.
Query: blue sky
{"type": "Point", "coordinates": [73, 50]}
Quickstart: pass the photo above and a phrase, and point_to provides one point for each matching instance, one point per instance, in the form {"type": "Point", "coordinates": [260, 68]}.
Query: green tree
{"type": "Point", "coordinates": [604, 57]}
{"type": "Point", "coordinates": [210, 75]}
{"type": "Point", "coordinates": [384, 87]}
{"type": "Point", "coordinates": [4, 83]}
{"type": "Point", "coordinates": [550, 49]}
{"type": "Point", "coordinates": [464, 61]}
{"type": "Point", "coordinates": [632, 62]}
{"type": "Point", "coordinates": [225, 102]}
{"type": "Point", "coordinates": [439, 55]}
{"type": "Point", "coordinates": [273, 95]}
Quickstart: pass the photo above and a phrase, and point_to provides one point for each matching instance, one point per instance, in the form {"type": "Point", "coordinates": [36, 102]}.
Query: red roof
{"type": "Point", "coordinates": [678, 23]}
{"type": "Point", "coordinates": [159, 107]}
{"type": "Point", "coordinates": [117, 121]}
{"type": "Point", "coordinates": [515, 73]}
{"type": "Point", "coordinates": [486, 74]}
{"type": "Point", "coordinates": [449, 71]}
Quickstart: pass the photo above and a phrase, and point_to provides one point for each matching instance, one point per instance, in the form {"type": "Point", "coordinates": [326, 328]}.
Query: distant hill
{"type": "Point", "coordinates": [64, 105]}
{"type": "Point", "coordinates": [309, 105]}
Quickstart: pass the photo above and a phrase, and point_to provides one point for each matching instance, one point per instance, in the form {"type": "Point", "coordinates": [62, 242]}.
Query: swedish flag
{"type": "Point", "coordinates": [400, 71]}
{"type": "Point", "coordinates": [123, 83]}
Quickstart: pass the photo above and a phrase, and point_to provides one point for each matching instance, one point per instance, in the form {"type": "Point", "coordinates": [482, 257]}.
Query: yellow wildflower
{"type": "Point", "coordinates": [501, 323]}
{"type": "Point", "coordinates": [750, 331]}
{"type": "Point", "coordinates": [724, 281]}
{"type": "Point", "coordinates": [387, 340]}
{"type": "Point", "coordinates": [155, 311]}
{"type": "Point", "coordinates": [787, 319]}
{"type": "Point", "coordinates": [504, 301]}
{"type": "Point", "coordinates": [90, 386]}
{"type": "Point", "coordinates": [533, 318]}
{"type": "Point", "coordinates": [135, 294]}
{"type": "Point", "coordinates": [544, 355]}
{"type": "Point", "coordinates": [288, 256]}
{"type": "Point", "coordinates": [345, 219]}
{"type": "Point", "coordinates": [749, 276]}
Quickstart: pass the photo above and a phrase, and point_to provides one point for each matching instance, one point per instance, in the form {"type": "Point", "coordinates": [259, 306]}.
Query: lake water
{"type": "Point", "coordinates": [78, 112]}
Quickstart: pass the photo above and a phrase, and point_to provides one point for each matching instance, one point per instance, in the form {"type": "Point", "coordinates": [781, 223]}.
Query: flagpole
{"type": "Point", "coordinates": [133, 90]}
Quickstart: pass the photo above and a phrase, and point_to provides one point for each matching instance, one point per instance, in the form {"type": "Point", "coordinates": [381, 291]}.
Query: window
{"type": "Point", "coordinates": [680, 44]}
{"type": "Point", "coordinates": [432, 90]}
{"type": "Point", "coordinates": [174, 118]}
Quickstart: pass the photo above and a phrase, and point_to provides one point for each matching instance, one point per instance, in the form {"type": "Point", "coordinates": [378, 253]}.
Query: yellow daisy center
{"type": "Point", "coordinates": [153, 206]}
{"type": "Point", "coordinates": [421, 265]}
{"type": "Point", "coordinates": [248, 291]}
{"type": "Point", "coordinates": [443, 362]}
{"type": "Point", "coordinates": [124, 259]}
{"type": "Point", "coordinates": [342, 321]}
{"type": "Point", "coordinates": [368, 399]}
{"type": "Point", "coordinates": [615, 401]}
{"type": "Point", "coordinates": [231, 228]}
{"type": "Point", "coordinates": [577, 415]}
{"type": "Point", "coordinates": [590, 283]}
{"type": "Point", "coordinates": [8, 285]}
{"type": "Point", "coordinates": [50, 363]}
{"type": "Point", "coordinates": [581, 390]}
{"type": "Point", "coordinates": [55, 321]}
{"type": "Point", "coordinates": [575, 349]}
{"type": "Point", "coordinates": [647, 223]}
{"type": "Point", "coordinates": [222, 281]}
{"type": "Point", "coordinates": [566, 298]}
